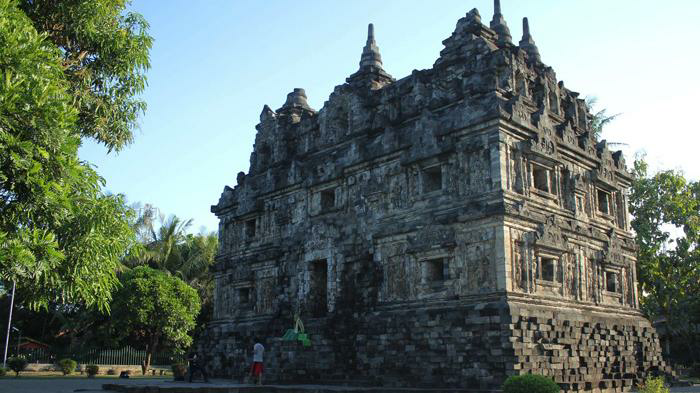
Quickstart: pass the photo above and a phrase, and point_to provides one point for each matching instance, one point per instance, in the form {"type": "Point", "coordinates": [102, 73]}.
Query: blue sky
{"type": "Point", "coordinates": [216, 63]}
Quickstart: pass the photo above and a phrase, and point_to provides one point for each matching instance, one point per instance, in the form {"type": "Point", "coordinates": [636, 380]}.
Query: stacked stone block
{"type": "Point", "coordinates": [587, 351]}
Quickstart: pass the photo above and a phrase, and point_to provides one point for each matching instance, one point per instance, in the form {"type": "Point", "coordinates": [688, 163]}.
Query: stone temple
{"type": "Point", "coordinates": [447, 229]}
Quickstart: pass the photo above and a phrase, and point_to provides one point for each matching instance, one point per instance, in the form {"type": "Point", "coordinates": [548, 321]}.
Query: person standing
{"type": "Point", "coordinates": [257, 369]}
{"type": "Point", "coordinates": [196, 364]}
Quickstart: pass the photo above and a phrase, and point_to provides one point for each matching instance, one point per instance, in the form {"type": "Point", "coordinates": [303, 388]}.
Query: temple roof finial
{"type": "Point", "coordinates": [528, 44]}
{"type": "Point", "coordinates": [295, 100]}
{"type": "Point", "coordinates": [526, 29]}
{"type": "Point", "coordinates": [498, 24]}
{"type": "Point", "coordinates": [370, 53]}
{"type": "Point", "coordinates": [371, 72]}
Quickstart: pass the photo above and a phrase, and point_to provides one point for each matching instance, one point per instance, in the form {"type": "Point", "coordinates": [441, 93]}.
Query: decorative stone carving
{"type": "Point", "coordinates": [612, 254]}
{"type": "Point", "coordinates": [550, 236]}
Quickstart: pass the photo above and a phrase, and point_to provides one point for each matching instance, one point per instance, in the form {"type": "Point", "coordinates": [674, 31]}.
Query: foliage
{"type": "Point", "coordinates": [653, 385]}
{"type": "Point", "coordinates": [530, 383]}
{"type": "Point", "coordinates": [695, 370]}
{"type": "Point", "coordinates": [92, 369]}
{"type": "Point", "coordinates": [668, 269]}
{"type": "Point", "coordinates": [3, 371]}
{"type": "Point", "coordinates": [600, 118]}
{"type": "Point", "coordinates": [167, 246]}
{"type": "Point", "coordinates": [60, 237]}
{"type": "Point", "coordinates": [67, 366]}
{"type": "Point", "coordinates": [104, 54]}
{"type": "Point", "coordinates": [179, 371]}
{"type": "Point", "coordinates": [17, 364]}
{"type": "Point", "coordinates": [153, 308]}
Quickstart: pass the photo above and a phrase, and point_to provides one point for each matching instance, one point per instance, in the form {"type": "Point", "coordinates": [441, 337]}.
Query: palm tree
{"type": "Point", "coordinates": [600, 118]}
{"type": "Point", "coordinates": [165, 249]}
{"type": "Point", "coordinates": [160, 238]}
{"type": "Point", "coordinates": [166, 246]}
{"type": "Point", "coordinates": [197, 255]}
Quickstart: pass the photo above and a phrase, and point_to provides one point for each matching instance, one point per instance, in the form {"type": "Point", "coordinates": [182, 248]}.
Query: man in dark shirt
{"type": "Point", "coordinates": [196, 364]}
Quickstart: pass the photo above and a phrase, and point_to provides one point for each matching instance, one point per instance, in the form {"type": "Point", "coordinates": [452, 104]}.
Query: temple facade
{"type": "Point", "coordinates": [447, 229]}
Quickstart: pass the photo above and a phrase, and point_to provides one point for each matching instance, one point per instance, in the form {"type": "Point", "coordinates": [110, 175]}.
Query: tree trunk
{"type": "Point", "coordinates": [150, 350]}
{"type": "Point", "coordinates": [668, 331]}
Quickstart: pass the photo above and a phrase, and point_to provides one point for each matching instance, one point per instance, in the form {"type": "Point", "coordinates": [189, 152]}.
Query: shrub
{"type": "Point", "coordinates": [653, 385]}
{"type": "Point", "coordinates": [17, 364]}
{"type": "Point", "coordinates": [179, 371]}
{"type": "Point", "coordinates": [112, 371]}
{"type": "Point", "coordinates": [530, 383]}
{"type": "Point", "coordinates": [92, 370]}
{"type": "Point", "coordinates": [694, 370]}
{"type": "Point", "coordinates": [3, 371]}
{"type": "Point", "coordinates": [67, 366]}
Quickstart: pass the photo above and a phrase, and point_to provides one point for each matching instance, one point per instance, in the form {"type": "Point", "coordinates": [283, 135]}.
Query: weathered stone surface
{"type": "Point", "coordinates": [451, 228]}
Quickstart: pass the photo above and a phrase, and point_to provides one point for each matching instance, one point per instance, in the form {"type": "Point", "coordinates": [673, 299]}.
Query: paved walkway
{"type": "Point", "coordinates": [71, 385]}
{"type": "Point", "coordinates": [65, 385]}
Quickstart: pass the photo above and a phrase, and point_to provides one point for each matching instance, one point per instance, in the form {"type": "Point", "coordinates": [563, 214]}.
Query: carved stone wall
{"type": "Point", "coordinates": [450, 228]}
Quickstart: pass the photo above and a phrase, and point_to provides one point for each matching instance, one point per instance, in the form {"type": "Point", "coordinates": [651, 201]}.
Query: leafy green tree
{"type": "Point", "coordinates": [168, 247]}
{"type": "Point", "coordinates": [61, 237]}
{"type": "Point", "coordinates": [154, 309]}
{"type": "Point", "coordinates": [104, 55]}
{"type": "Point", "coordinates": [666, 211]}
{"type": "Point", "coordinates": [198, 253]}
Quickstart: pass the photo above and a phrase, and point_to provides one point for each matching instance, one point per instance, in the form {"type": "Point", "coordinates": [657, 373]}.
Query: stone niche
{"type": "Point", "coordinates": [447, 229]}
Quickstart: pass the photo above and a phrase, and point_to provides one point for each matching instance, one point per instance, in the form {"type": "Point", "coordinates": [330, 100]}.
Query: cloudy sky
{"type": "Point", "coordinates": [216, 63]}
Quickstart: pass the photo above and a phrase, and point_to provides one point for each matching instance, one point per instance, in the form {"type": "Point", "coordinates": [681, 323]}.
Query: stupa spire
{"type": "Point", "coordinates": [498, 24]}
{"type": "Point", "coordinates": [370, 53]}
{"type": "Point", "coordinates": [295, 100]}
{"type": "Point", "coordinates": [371, 72]}
{"type": "Point", "coordinates": [528, 44]}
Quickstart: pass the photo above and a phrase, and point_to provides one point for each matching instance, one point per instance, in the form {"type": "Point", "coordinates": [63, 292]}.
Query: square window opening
{"type": "Point", "coordinates": [540, 178]}
{"type": "Point", "coordinates": [547, 265]}
{"type": "Point", "coordinates": [318, 299]}
{"type": "Point", "coordinates": [328, 199]}
{"type": "Point", "coordinates": [432, 179]}
{"type": "Point", "coordinates": [244, 295]}
{"type": "Point", "coordinates": [434, 270]}
{"type": "Point", "coordinates": [250, 228]}
{"type": "Point", "coordinates": [603, 202]}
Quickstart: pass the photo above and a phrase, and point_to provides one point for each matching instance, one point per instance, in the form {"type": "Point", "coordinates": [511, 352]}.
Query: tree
{"type": "Point", "coordinates": [198, 253]}
{"type": "Point", "coordinates": [104, 55]}
{"type": "Point", "coordinates": [600, 118]}
{"type": "Point", "coordinates": [668, 268]}
{"type": "Point", "coordinates": [154, 309]}
{"type": "Point", "coordinates": [167, 246]}
{"type": "Point", "coordinates": [61, 237]}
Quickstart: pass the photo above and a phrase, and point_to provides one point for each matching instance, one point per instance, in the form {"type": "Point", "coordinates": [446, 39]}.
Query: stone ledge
{"type": "Point", "coordinates": [175, 387]}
